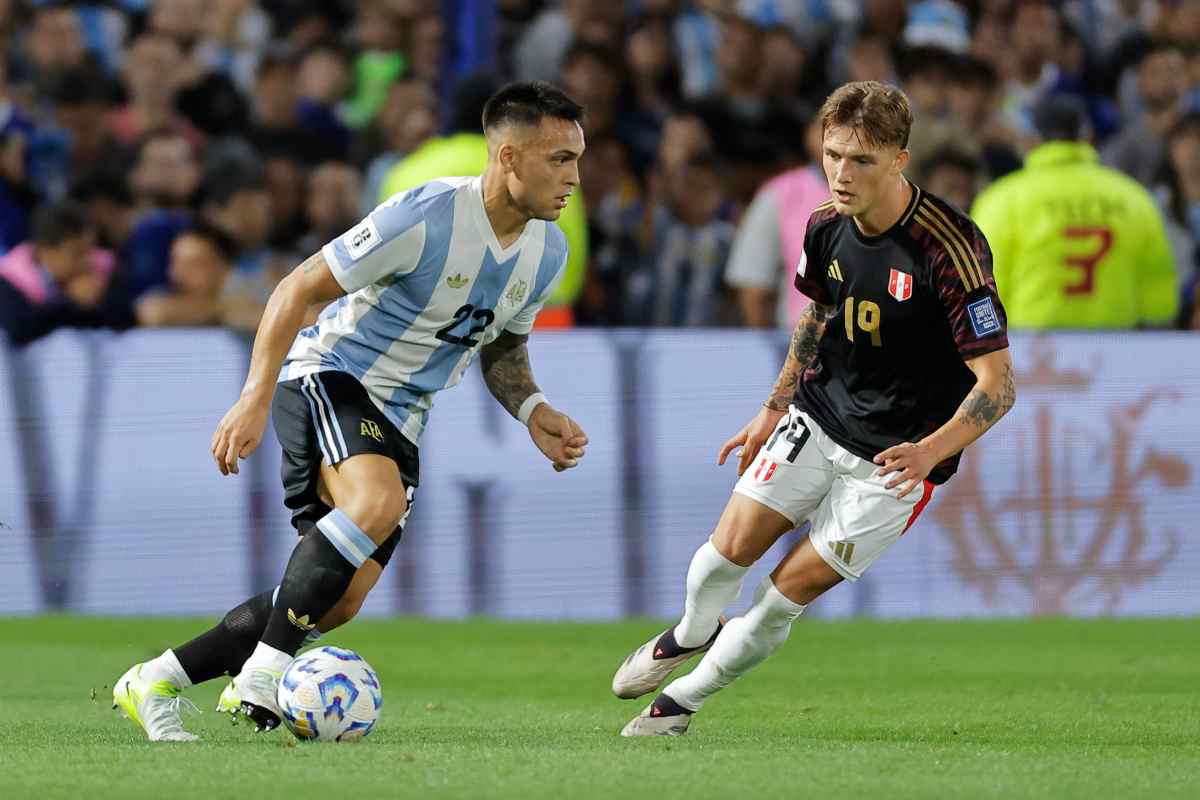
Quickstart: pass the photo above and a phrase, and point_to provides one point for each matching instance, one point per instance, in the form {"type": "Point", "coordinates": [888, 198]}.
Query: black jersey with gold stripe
{"type": "Point", "coordinates": [912, 305]}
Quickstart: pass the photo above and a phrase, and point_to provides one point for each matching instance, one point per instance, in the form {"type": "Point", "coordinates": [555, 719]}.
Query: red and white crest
{"type": "Point", "coordinates": [900, 285]}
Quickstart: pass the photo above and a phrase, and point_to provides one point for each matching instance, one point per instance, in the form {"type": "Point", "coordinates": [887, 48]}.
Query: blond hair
{"type": "Point", "coordinates": [879, 111]}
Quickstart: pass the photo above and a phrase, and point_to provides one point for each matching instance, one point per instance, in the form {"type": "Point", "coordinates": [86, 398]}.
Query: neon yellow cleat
{"type": "Point", "coordinates": [230, 701]}
{"type": "Point", "coordinates": [152, 705]}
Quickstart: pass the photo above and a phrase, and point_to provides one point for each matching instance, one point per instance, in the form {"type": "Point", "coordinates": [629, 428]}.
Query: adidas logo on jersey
{"type": "Point", "coordinates": [457, 281]}
{"type": "Point", "coordinates": [835, 271]}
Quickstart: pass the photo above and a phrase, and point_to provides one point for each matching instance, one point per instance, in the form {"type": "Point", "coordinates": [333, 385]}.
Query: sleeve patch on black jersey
{"type": "Point", "coordinates": [983, 317]}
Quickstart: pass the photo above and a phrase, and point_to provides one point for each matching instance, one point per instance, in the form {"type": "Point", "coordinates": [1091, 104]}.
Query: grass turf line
{"type": "Point", "coordinates": [1017, 708]}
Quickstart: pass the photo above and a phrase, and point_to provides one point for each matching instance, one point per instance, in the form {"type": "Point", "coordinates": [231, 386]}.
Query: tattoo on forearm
{"type": "Point", "coordinates": [803, 350]}
{"type": "Point", "coordinates": [313, 262]}
{"type": "Point", "coordinates": [506, 370]}
{"type": "Point", "coordinates": [982, 409]}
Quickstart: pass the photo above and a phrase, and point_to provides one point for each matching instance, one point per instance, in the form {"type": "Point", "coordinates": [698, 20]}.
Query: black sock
{"type": "Point", "coordinates": [316, 578]}
{"type": "Point", "coordinates": [225, 647]}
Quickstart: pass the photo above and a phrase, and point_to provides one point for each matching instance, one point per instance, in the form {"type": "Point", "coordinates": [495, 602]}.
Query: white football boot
{"type": "Point", "coordinates": [645, 669]}
{"type": "Point", "coordinates": [152, 705]}
{"type": "Point", "coordinates": [663, 717]}
{"type": "Point", "coordinates": [255, 688]}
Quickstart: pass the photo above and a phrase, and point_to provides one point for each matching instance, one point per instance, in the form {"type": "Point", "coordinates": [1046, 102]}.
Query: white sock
{"type": "Point", "coordinates": [267, 657]}
{"type": "Point", "coordinates": [167, 668]}
{"type": "Point", "coordinates": [713, 582]}
{"type": "Point", "coordinates": [743, 644]}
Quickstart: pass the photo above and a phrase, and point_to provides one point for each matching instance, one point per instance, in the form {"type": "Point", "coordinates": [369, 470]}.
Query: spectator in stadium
{"type": "Point", "coordinates": [155, 70]}
{"type": "Point", "coordinates": [331, 205]}
{"type": "Point", "coordinates": [592, 76]}
{"type": "Point", "coordinates": [54, 45]}
{"type": "Point", "coordinates": [81, 104]}
{"type": "Point", "coordinates": [770, 241]}
{"type": "Point", "coordinates": [58, 279]}
{"type": "Point", "coordinates": [1076, 244]}
{"type": "Point", "coordinates": [140, 236]}
{"type": "Point", "coordinates": [1182, 195]}
{"type": "Point", "coordinates": [378, 31]}
{"type": "Point", "coordinates": [541, 48]}
{"type": "Point", "coordinates": [972, 100]}
{"type": "Point", "coordinates": [953, 173]}
{"type": "Point", "coordinates": [1139, 150]}
{"type": "Point", "coordinates": [166, 174]}
{"type": "Point", "coordinates": [285, 175]}
{"type": "Point", "coordinates": [322, 81]}
{"type": "Point", "coordinates": [681, 282]}
{"type": "Point", "coordinates": [407, 120]}
{"type": "Point", "coordinates": [1034, 42]}
{"type": "Point", "coordinates": [653, 86]}
{"type": "Point", "coordinates": [236, 202]}
{"type": "Point", "coordinates": [869, 58]}
{"type": "Point", "coordinates": [201, 264]}
{"type": "Point", "coordinates": [612, 194]}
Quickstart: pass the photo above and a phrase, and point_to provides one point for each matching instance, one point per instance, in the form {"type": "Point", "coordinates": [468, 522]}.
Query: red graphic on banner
{"type": "Point", "coordinates": [1042, 536]}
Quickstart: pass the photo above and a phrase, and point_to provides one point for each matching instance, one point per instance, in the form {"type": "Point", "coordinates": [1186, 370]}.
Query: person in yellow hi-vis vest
{"type": "Point", "coordinates": [1076, 244]}
{"type": "Point", "coordinates": [464, 152]}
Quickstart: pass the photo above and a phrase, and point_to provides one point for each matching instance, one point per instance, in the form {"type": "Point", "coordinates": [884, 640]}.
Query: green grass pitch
{"type": "Point", "coordinates": [999, 709]}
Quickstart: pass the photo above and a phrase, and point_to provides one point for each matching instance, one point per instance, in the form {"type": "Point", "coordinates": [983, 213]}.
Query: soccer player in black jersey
{"type": "Point", "coordinates": [899, 363]}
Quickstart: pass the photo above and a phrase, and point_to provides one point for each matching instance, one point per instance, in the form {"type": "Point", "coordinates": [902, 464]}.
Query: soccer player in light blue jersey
{"type": "Point", "coordinates": [431, 278]}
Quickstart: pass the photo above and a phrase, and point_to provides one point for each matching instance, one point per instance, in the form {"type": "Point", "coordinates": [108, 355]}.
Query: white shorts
{"type": "Point", "coordinates": [804, 475]}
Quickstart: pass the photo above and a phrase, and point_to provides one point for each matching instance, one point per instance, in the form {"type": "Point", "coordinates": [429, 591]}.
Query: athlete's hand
{"type": "Point", "coordinates": [751, 438]}
{"type": "Point", "coordinates": [238, 434]}
{"type": "Point", "coordinates": [913, 462]}
{"type": "Point", "coordinates": [558, 437]}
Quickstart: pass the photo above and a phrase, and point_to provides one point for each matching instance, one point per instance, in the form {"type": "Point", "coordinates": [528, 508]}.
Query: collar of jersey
{"type": "Point", "coordinates": [1055, 153]}
{"type": "Point", "coordinates": [501, 254]}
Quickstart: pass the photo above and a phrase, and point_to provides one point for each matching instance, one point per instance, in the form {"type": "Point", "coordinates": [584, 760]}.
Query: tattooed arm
{"type": "Point", "coordinates": [803, 349]}
{"type": "Point", "coordinates": [506, 370]}
{"type": "Point", "coordinates": [991, 398]}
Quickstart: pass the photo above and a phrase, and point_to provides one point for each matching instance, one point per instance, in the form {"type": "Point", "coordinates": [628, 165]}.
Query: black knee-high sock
{"type": "Point", "coordinates": [226, 646]}
{"type": "Point", "coordinates": [316, 578]}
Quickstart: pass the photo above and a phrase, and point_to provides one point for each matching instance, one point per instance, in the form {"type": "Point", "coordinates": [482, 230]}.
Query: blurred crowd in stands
{"type": "Point", "coordinates": [165, 162]}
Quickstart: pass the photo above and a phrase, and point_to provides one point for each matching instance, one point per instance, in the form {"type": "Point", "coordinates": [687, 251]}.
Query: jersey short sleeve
{"type": "Point", "coordinates": [388, 242]}
{"type": "Point", "coordinates": [810, 278]}
{"type": "Point", "coordinates": [967, 291]}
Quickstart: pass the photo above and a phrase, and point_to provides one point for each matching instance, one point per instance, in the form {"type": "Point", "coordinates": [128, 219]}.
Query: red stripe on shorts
{"type": "Point", "coordinates": [924, 501]}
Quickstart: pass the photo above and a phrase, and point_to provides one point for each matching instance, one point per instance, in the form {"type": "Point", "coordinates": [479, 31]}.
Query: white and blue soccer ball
{"type": "Point", "coordinates": [331, 695]}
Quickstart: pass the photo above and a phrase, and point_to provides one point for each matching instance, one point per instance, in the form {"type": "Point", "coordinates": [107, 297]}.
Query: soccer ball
{"type": "Point", "coordinates": [330, 694]}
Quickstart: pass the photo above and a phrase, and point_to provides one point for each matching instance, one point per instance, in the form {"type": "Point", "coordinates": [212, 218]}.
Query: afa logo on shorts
{"type": "Point", "coordinates": [983, 316]}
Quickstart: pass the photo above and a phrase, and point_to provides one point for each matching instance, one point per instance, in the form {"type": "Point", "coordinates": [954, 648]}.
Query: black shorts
{"type": "Point", "coordinates": [329, 416]}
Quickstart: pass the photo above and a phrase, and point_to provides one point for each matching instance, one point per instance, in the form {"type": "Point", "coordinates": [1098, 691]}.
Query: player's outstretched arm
{"type": "Point", "coordinates": [506, 370]}
{"type": "Point", "coordinates": [991, 398]}
{"type": "Point", "coordinates": [241, 429]}
{"type": "Point", "coordinates": [809, 330]}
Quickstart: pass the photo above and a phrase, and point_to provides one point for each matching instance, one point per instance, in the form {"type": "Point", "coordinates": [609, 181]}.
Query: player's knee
{"type": "Point", "coordinates": [376, 512]}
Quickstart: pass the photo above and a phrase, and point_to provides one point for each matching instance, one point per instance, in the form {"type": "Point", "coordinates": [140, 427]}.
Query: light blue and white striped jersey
{"type": "Point", "coordinates": [427, 285]}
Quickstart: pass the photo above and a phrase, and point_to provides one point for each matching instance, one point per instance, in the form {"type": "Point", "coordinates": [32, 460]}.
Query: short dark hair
{"type": "Point", "coordinates": [526, 103]}
{"type": "Point", "coordinates": [952, 155]}
{"type": "Point", "coordinates": [222, 242]}
{"type": "Point", "coordinates": [222, 183]}
{"type": "Point", "coordinates": [1061, 117]}
{"type": "Point", "coordinates": [54, 224]}
{"type": "Point", "coordinates": [101, 184]}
